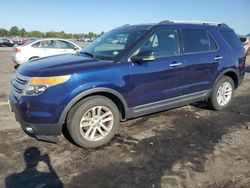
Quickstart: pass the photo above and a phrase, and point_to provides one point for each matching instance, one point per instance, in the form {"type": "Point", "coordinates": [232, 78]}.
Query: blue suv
{"type": "Point", "coordinates": [128, 72]}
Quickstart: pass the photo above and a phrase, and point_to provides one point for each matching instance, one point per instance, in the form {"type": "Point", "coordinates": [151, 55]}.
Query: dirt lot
{"type": "Point", "coordinates": [190, 146]}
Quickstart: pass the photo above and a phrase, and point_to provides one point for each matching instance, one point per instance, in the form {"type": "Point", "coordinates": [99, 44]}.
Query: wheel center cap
{"type": "Point", "coordinates": [96, 122]}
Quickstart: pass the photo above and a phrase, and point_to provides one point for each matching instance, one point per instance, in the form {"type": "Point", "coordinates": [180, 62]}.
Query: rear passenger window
{"type": "Point", "coordinates": [231, 39]}
{"type": "Point", "coordinates": [45, 44]}
{"type": "Point", "coordinates": [195, 40]}
{"type": "Point", "coordinates": [63, 44]}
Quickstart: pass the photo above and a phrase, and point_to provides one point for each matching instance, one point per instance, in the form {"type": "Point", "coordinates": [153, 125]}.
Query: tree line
{"type": "Point", "coordinates": [15, 31]}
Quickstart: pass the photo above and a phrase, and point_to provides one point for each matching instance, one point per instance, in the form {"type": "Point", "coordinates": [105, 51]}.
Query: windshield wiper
{"type": "Point", "coordinates": [87, 53]}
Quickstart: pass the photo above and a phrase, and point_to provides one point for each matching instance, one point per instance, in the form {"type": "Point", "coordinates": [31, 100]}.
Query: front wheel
{"type": "Point", "coordinates": [93, 121]}
{"type": "Point", "coordinates": [222, 93]}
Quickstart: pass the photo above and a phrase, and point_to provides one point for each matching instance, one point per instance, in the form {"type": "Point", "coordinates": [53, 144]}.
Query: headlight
{"type": "Point", "coordinates": [38, 85]}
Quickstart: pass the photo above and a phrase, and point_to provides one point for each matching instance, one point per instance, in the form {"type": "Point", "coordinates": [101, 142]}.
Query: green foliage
{"type": "Point", "coordinates": [3, 32]}
{"type": "Point", "coordinates": [53, 34]}
{"type": "Point", "coordinates": [15, 31]}
{"type": "Point", "coordinates": [91, 35]}
{"type": "Point", "coordinates": [23, 32]}
{"type": "Point", "coordinates": [36, 34]}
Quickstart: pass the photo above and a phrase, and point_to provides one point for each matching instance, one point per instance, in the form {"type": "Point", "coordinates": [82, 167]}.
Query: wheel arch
{"type": "Point", "coordinates": [230, 73]}
{"type": "Point", "coordinates": [113, 95]}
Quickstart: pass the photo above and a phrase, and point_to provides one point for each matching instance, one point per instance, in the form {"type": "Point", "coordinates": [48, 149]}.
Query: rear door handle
{"type": "Point", "coordinates": [175, 64]}
{"type": "Point", "coordinates": [218, 58]}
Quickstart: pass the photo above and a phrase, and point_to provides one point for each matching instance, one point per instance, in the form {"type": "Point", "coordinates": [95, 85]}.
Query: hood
{"type": "Point", "coordinates": [60, 65]}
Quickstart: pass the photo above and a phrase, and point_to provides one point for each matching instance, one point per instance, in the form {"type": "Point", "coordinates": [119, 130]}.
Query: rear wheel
{"type": "Point", "coordinates": [93, 122]}
{"type": "Point", "coordinates": [222, 93]}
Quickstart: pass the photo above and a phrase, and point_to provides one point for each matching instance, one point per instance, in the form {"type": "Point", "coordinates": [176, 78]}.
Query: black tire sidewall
{"type": "Point", "coordinates": [85, 105]}
{"type": "Point", "coordinates": [213, 98]}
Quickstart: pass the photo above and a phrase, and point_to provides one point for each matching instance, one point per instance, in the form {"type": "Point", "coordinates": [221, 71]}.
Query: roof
{"type": "Point", "coordinates": [168, 22]}
{"type": "Point", "coordinates": [193, 22]}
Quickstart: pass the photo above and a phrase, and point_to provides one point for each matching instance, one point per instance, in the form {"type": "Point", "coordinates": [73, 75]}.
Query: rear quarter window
{"type": "Point", "coordinates": [63, 45]}
{"type": "Point", "coordinates": [36, 45]}
{"type": "Point", "coordinates": [231, 38]}
{"type": "Point", "coordinates": [195, 40]}
{"type": "Point", "coordinates": [213, 45]}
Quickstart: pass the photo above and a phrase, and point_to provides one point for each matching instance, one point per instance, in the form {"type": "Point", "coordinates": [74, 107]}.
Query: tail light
{"type": "Point", "coordinates": [244, 54]}
{"type": "Point", "coordinates": [17, 50]}
{"type": "Point", "coordinates": [245, 43]}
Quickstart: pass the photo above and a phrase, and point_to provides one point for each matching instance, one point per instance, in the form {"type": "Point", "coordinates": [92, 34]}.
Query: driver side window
{"type": "Point", "coordinates": [162, 43]}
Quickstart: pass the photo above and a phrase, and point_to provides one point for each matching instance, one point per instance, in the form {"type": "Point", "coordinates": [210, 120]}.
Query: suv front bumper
{"type": "Point", "coordinates": [46, 132]}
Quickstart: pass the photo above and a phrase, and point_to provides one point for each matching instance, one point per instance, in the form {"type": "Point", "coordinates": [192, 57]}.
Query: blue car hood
{"type": "Point", "coordinates": [60, 65]}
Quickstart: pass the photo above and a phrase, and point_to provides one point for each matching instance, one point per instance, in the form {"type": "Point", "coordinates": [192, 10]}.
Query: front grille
{"type": "Point", "coordinates": [19, 82]}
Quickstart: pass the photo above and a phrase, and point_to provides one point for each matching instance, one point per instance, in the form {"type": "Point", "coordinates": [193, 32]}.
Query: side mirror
{"type": "Point", "coordinates": [75, 48]}
{"type": "Point", "coordinates": [143, 56]}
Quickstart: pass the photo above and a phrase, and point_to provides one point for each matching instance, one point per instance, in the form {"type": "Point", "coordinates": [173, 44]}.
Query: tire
{"type": "Point", "coordinates": [217, 101]}
{"type": "Point", "coordinates": [88, 114]}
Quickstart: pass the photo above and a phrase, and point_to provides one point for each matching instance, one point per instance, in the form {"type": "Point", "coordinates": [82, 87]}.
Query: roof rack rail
{"type": "Point", "coordinates": [120, 27]}
{"type": "Point", "coordinates": [195, 22]}
{"type": "Point", "coordinates": [166, 22]}
{"type": "Point", "coordinates": [125, 25]}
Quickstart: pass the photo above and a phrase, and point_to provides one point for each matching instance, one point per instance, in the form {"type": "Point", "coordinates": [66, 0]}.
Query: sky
{"type": "Point", "coordinates": [82, 16]}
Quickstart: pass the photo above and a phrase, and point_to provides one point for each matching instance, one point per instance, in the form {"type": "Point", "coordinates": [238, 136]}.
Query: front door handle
{"type": "Point", "coordinates": [218, 58]}
{"type": "Point", "coordinates": [175, 64]}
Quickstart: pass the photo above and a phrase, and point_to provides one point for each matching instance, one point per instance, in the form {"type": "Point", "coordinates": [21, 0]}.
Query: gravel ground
{"type": "Point", "coordinates": [190, 146]}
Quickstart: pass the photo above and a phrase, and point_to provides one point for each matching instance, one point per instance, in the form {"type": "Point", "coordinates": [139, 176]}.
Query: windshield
{"type": "Point", "coordinates": [111, 44]}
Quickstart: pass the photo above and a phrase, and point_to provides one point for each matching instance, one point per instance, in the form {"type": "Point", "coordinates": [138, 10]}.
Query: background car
{"type": "Point", "coordinates": [245, 40]}
{"type": "Point", "coordinates": [35, 49]}
{"type": "Point", "coordinates": [6, 42]}
{"type": "Point", "coordinates": [23, 41]}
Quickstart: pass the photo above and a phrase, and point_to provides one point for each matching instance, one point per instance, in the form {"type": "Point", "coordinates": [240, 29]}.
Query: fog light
{"type": "Point", "coordinates": [29, 129]}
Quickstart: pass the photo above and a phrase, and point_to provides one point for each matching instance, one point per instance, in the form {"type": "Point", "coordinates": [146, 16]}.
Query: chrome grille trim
{"type": "Point", "coordinates": [19, 82]}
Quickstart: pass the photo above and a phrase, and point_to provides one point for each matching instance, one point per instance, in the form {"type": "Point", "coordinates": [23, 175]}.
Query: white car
{"type": "Point", "coordinates": [43, 48]}
{"type": "Point", "coordinates": [245, 40]}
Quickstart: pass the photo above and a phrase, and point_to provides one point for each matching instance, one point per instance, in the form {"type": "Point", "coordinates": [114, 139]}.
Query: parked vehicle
{"type": "Point", "coordinates": [155, 67]}
{"type": "Point", "coordinates": [23, 41]}
{"type": "Point", "coordinates": [84, 40]}
{"type": "Point", "coordinates": [245, 40]}
{"type": "Point", "coordinates": [39, 48]}
{"type": "Point", "coordinates": [6, 42]}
